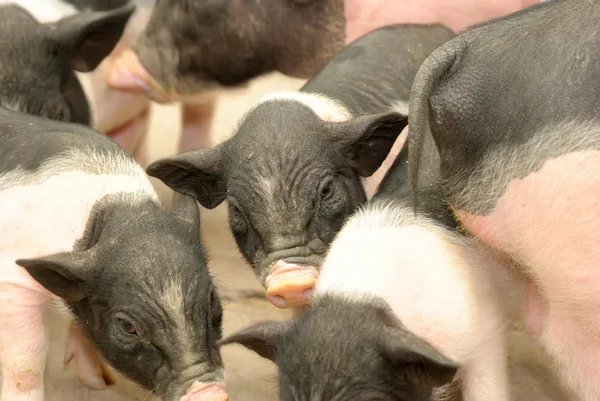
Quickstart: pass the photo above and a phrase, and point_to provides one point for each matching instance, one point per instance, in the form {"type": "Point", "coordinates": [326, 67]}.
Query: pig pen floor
{"type": "Point", "coordinates": [249, 378]}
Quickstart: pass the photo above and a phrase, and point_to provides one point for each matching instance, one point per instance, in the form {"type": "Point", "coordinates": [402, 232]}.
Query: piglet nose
{"type": "Point", "coordinates": [290, 285]}
{"type": "Point", "coordinates": [126, 73]}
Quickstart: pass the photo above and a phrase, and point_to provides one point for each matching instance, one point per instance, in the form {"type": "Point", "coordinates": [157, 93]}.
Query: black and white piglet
{"type": "Point", "coordinates": [401, 303]}
{"type": "Point", "coordinates": [81, 226]}
{"type": "Point", "coordinates": [292, 171]}
{"type": "Point", "coordinates": [38, 60]}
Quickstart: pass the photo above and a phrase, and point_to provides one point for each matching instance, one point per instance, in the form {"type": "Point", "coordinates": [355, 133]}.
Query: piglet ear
{"type": "Point", "coordinates": [196, 173]}
{"type": "Point", "coordinates": [409, 352]}
{"type": "Point", "coordinates": [261, 338]}
{"type": "Point", "coordinates": [63, 274]}
{"type": "Point", "coordinates": [89, 36]}
{"type": "Point", "coordinates": [370, 139]}
{"type": "Point", "coordinates": [185, 208]}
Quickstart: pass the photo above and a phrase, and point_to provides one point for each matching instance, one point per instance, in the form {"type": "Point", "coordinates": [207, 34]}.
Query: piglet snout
{"type": "Point", "coordinates": [200, 391]}
{"type": "Point", "coordinates": [290, 285]}
{"type": "Point", "coordinates": [126, 73]}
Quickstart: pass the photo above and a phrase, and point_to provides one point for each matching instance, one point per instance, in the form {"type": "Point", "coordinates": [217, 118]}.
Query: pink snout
{"type": "Point", "coordinates": [127, 74]}
{"type": "Point", "coordinates": [212, 391]}
{"type": "Point", "coordinates": [290, 285]}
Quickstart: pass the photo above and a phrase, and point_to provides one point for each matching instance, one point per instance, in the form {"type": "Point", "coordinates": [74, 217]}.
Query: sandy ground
{"type": "Point", "coordinates": [249, 377]}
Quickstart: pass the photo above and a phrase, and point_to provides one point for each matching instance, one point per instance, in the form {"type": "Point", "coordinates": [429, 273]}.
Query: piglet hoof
{"type": "Point", "coordinates": [92, 371]}
{"type": "Point", "coordinates": [205, 392]}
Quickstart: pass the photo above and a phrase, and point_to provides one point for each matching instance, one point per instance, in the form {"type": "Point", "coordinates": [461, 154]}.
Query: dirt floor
{"type": "Point", "coordinates": [249, 378]}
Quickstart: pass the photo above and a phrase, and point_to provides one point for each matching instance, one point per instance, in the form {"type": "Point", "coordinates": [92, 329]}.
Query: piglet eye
{"type": "Point", "coordinates": [127, 327]}
{"type": "Point", "coordinates": [326, 190]}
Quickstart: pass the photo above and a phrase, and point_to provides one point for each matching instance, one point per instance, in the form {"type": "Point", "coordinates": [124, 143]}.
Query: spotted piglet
{"type": "Point", "coordinates": [402, 303]}
{"type": "Point", "coordinates": [82, 229]}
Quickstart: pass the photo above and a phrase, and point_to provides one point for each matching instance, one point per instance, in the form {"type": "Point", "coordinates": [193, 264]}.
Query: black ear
{"type": "Point", "coordinates": [185, 208]}
{"type": "Point", "coordinates": [196, 173]}
{"type": "Point", "coordinates": [89, 36]}
{"type": "Point", "coordinates": [63, 274]}
{"type": "Point", "coordinates": [406, 350]}
{"type": "Point", "coordinates": [261, 338]}
{"type": "Point", "coordinates": [371, 138]}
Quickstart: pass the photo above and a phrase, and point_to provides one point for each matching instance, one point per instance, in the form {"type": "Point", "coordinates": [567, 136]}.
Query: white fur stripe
{"type": "Point", "coordinates": [326, 108]}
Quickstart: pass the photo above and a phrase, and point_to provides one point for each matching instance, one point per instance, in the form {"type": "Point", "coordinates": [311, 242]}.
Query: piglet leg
{"type": "Point", "coordinates": [91, 369]}
{"type": "Point", "coordinates": [23, 343]}
{"type": "Point", "coordinates": [196, 124]}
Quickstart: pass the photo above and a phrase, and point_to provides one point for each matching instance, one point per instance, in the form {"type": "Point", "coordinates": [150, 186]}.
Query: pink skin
{"type": "Point", "coordinates": [22, 362]}
{"type": "Point", "coordinates": [128, 75]}
{"type": "Point", "coordinates": [548, 222]}
{"type": "Point", "coordinates": [91, 369]}
{"type": "Point", "coordinates": [364, 16]}
{"type": "Point", "coordinates": [290, 285]}
{"type": "Point", "coordinates": [206, 392]}
{"type": "Point", "coordinates": [121, 115]}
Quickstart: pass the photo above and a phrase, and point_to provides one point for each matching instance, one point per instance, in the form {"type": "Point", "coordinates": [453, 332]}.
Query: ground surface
{"type": "Point", "coordinates": [249, 378]}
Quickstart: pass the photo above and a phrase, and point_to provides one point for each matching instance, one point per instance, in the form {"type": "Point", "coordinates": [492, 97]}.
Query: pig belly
{"type": "Point", "coordinates": [549, 222]}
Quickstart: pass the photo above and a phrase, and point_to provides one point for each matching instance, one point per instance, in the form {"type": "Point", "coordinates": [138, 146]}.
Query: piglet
{"type": "Point", "coordinates": [292, 171]}
{"type": "Point", "coordinates": [401, 303]}
{"type": "Point", "coordinates": [82, 229]}
{"type": "Point", "coordinates": [37, 75]}
{"type": "Point", "coordinates": [47, 47]}
{"type": "Point", "coordinates": [121, 115]}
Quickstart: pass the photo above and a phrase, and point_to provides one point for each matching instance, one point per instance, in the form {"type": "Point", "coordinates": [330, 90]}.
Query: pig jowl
{"type": "Point", "coordinates": [132, 275]}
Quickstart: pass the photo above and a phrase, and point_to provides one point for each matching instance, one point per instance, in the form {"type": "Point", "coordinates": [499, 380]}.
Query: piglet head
{"type": "Point", "coordinates": [362, 353]}
{"type": "Point", "coordinates": [37, 76]}
{"type": "Point", "coordinates": [290, 179]}
{"type": "Point", "coordinates": [139, 286]}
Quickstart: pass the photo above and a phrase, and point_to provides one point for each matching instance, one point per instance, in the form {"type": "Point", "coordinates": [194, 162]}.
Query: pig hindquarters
{"type": "Point", "coordinates": [516, 125]}
{"type": "Point", "coordinates": [291, 173]}
{"type": "Point", "coordinates": [456, 299]}
{"type": "Point", "coordinates": [82, 227]}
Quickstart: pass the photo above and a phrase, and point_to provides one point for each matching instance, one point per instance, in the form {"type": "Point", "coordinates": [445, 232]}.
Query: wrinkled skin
{"type": "Point", "coordinates": [133, 275]}
{"type": "Point", "coordinates": [388, 362]}
{"type": "Point", "coordinates": [38, 78]}
{"type": "Point", "coordinates": [192, 48]}
{"type": "Point", "coordinates": [288, 194]}
{"type": "Point", "coordinates": [133, 326]}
